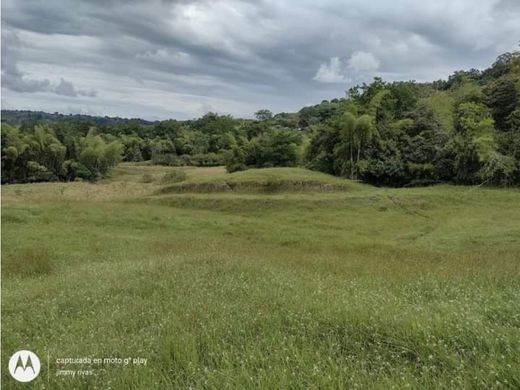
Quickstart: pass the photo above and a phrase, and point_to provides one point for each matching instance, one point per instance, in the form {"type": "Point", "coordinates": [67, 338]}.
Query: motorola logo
{"type": "Point", "coordinates": [24, 366]}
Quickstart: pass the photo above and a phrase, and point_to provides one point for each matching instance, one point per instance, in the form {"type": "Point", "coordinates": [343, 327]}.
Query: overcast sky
{"type": "Point", "coordinates": [158, 59]}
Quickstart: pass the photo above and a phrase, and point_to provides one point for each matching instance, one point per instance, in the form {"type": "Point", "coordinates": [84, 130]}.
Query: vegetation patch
{"type": "Point", "coordinates": [28, 262]}
{"type": "Point", "coordinates": [174, 176]}
{"type": "Point", "coordinates": [147, 178]}
{"type": "Point", "coordinates": [253, 186]}
{"type": "Point", "coordinates": [292, 289]}
{"type": "Point", "coordinates": [265, 180]}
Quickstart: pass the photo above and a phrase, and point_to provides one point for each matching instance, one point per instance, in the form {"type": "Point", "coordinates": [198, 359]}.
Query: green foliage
{"type": "Point", "coordinates": [263, 115]}
{"type": "Point", "coordinates": [163, 152]}
{"type": "Point", "coordinates": [388, 170]}
{"type": "Point", "coordinates": [355, 136]}
{"type": "Point", "coordinates": [319, 154]}
{"type": "Point", "coordinates": [502, 98]}
{"type": "Point", "coordinates": [473, 120]}
{"type": "Point", "coordinates": [275, 147]}
{"type": "Point", "coordinates": [499, 170]}
{"type": "Point", "coordinates": [36, 156]}
{"type": "Point", "coordinates": [469, 118]}
{"type": "Point", "coordinates": [506, 63]}
{"type": "Point", "coordinates": [463, 160]}
{"type": "Point", "coordinates": [442, 104]}
{"type": "Point", "coordinates": [96, 156]}
{"type": "Point", "coordinates": [134, 148]}
{"type": "Point", "coordinates": [513, 121]}
{"type": "Point", "coordinates": [427, 134]}
{"type": "Point", "coordinates": [326, 110]}
{"type": "Point", "coordinates": [72, 170]}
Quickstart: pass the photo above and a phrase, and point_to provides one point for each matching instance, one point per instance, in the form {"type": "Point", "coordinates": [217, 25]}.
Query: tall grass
{"type": "Point", "coordinates": [359, 288]}
{"type": "Point", "coordinates": [27, 262]}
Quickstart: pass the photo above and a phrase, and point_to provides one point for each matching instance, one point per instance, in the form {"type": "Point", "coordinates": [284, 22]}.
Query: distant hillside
{"type": "Point", "coordinates": [18, 117]}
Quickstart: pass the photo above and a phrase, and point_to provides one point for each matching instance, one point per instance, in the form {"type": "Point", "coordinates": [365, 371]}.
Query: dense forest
{"type": "Point", "coordinates": [464, 130]}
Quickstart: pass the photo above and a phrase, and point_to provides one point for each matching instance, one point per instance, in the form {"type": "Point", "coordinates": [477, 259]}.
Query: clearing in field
{"type": "Point", "coordinates": [272, 278]}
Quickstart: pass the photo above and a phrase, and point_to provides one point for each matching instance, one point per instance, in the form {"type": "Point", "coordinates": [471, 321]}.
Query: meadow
{"type": "Point", "coordinates": [276, 278]}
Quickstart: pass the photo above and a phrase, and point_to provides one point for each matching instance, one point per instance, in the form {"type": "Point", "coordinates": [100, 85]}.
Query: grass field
{"type": "Point", "coordinates": [276, 278]}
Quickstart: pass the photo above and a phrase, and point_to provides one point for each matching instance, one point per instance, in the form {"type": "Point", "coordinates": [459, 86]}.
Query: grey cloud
{"type": "Point", "coordinates": [16, 80]}
{"type": "Point", "coordinates": [66, 88]}
{"type": "Point", "coordinates": [19, 83]}
{"type": "Point", "coordinates": [235, 54]}
{"type": "Point", "coordinates": [509, 5]}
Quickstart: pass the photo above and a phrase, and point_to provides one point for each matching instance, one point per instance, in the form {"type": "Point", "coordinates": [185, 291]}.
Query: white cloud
{"type": "Point", "coordinates": [333, 71]}
{"type": "Point", "coordinates": [362, 61]}
{"type": "Point", "coordinates": [338, 70]}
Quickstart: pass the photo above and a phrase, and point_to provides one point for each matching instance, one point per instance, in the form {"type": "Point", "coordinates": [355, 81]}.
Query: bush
{"type": "Point", "coordinates": [72, 170]}
{"type": "Point", "coordinates": [207, 159]}
{"type": "Point", "coordinates": [390, 171]}
{"type": "Point", "coordinates": [499, 170]}
{"type": "Point", "coordinates": [274, 148]}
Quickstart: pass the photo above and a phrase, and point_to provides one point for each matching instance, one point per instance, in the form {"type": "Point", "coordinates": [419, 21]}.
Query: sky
{"type": "Point", "coordinates": [160, 59]}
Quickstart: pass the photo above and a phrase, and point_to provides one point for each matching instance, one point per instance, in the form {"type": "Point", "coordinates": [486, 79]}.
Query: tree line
{"type": "Point", "coordinates": [463, 130]}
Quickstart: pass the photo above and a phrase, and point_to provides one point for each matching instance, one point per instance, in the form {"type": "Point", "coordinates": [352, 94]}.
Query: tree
{"type": "Point", "coordinates": [513, 121]}
{"type": "Point", "coordinates": [355, 134]}
{"type": "Point", "coordinates": [132, 148]}
{"type": "Point", "coordinates": [502, 98]}
{"type": "Point", "coordinates": [499, 170]}
{"type": "Point", "coordinates": [263, 115]}
{"type": "Point", "coordinates": [96, 156]}
{"type": "Point", "coordinates": [36, 156]}
{"type": "Point", "coordinates": [462, 153]}
{"type": "Point", "coordinates": [474, 121]}
{"type": "Point", "coordinates": [319, 154]}
{"type": "Point", "coordinates": [505, 63]}
{"type": "Point", "coordinates": [235, 159]}
{"type": "Point", "coordinates": [164, 152]}
{"type": "Point", "coordinates": [14, 146]}
{"type": "Point", "coordinates": [274, 148]}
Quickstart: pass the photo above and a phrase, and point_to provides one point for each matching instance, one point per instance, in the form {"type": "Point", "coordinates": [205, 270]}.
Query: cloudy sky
{"type": "Point", "coordinates": [159, 59]}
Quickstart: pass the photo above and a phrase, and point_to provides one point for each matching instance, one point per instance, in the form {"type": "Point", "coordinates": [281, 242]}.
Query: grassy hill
{"type": "Point", "coordinates": [263, 180]}
{"type": "Point", "coordinates": [243, 287]}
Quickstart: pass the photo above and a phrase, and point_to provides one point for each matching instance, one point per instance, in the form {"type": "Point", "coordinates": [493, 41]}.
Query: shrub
{"type": "Point", "coordinates": [207, 159]}
{"type": "Point", "coordinates": [499, 170]}
{"type": "Point", "coordinates": [72, 170]}
{"type": "Point", "coordinates": [274, 148]}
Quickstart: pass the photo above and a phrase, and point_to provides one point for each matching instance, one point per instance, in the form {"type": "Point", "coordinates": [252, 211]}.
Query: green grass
{"type": "Point", "coordinates": [269, 180]}
{"type": "Point", "coordinates": [353, 287]}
